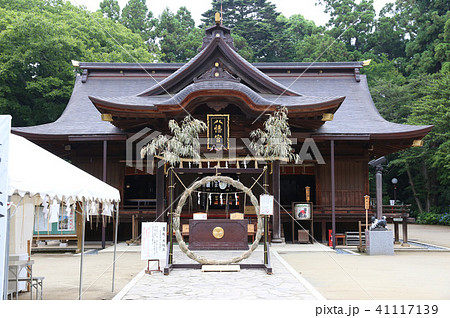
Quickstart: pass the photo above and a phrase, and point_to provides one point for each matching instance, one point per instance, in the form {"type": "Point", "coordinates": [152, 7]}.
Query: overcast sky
{"type": "Point", "coordinates": [197, 7]}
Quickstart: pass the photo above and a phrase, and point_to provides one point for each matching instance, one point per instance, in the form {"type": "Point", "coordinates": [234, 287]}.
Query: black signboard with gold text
{"type": "Point", "coordinates": [218, 131]}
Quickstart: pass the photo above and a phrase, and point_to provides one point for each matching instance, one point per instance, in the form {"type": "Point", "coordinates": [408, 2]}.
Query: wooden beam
{"type": "Point", "coordinates": [160, 192]}
{"type": "Point", "coordinates": [276, 224]}
{"type": "Point", "coordinates": [105, 160]}
{"type": "Point", "coordinates": [333, 196]}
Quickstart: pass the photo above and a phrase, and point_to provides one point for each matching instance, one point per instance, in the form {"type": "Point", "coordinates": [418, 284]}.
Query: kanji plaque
{"type": "Point", "coordinates": [218, 131]}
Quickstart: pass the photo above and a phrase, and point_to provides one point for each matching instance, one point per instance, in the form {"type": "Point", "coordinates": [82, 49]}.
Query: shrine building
{"type": "Point", "coordinates": [116, 108]}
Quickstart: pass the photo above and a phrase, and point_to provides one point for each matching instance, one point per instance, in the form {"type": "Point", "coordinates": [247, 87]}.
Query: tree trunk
{"type": "Point", "coordinates": [419, 205]}
{"type": "Point", "coordinates": [427, 185]}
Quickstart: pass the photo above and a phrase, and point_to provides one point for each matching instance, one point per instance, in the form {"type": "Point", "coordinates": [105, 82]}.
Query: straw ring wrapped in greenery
{"type": "Point", "coordinates": [176, 220]}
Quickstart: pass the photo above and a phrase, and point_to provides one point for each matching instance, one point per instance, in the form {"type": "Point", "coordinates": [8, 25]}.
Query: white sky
{"type": "Point", "coordinates": [288, 7]}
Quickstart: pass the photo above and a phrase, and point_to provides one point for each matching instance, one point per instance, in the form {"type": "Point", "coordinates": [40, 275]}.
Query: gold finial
{"type": "Point", "coordinates": [217, 18]}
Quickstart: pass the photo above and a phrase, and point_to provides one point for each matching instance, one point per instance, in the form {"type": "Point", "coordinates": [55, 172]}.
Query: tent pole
{"type": "Point", "coordinates": [6, 272]}
{"type": "Point", "coordinates": [82, 249]}
{"type": "Point", "coordinates": [115, 245]}
{"type": "Point", "coordinates": [8, 230]}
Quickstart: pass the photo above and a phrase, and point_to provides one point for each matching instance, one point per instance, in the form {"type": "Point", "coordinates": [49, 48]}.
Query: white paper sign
{"type": "Point", "coordinates": [5, 128]}
{"type": "Point", "coordinates": [153, 240]}
{"type": "Point", "coordinates": [266, 204]}
{"type": "Point", "coordinates": [200, 216]}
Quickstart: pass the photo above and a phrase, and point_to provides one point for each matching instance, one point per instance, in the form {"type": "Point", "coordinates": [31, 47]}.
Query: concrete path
{"type": "Point", "coordinates": [248, 284]}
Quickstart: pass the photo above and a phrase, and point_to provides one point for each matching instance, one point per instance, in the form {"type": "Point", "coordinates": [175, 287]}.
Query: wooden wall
{"type": "Point", "coordinates": [115, 170]}
{"type": "Point", "coordinates": [351, 182]}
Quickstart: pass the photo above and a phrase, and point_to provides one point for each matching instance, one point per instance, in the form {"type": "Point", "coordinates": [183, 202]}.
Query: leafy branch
{"type": "Point", "coordinates": [184, 143]}
{"type": "Point", "coordinates": [273, 142]}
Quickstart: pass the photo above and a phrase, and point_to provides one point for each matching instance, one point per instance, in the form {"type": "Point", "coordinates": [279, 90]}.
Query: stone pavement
{"type": "Point", "coordinates": [248, 284]}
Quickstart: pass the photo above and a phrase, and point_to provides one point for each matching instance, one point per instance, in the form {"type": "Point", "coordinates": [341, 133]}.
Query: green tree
{"type": "Point", "coordinates": [427, 167]}
{"type": "Point", "coordinates": [38, 40]}
{"type": "Point", "coordinates": [321, 48]}
{"type": "Point", "coordinates": [389, 90]}
{"type": "Point", "coordinates": [110, 9]}
{"type": "Point", "coordinates": [352, 22]}
{"type": "Point", "coordinates": [256, 21]}
{"type": "Point", "coordinates": [178, 38]}
{"type": "Point", "coordinates": [135, 16]}
{"type": "Point", "coordinates": [388, 37]}
{"type": "Point", "coordinates": [423, 23]}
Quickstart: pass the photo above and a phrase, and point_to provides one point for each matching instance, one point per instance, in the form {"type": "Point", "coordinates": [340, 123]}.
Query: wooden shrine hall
{"type": "Point", "coordinates": [116, 108]}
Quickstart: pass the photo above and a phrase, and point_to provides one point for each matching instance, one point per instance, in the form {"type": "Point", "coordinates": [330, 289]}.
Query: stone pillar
{"type": "Point", "coordinates": [379, 182]}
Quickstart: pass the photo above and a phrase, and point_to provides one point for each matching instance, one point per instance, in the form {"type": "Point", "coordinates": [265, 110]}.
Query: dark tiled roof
{"type": "Point", "coordinates": [305, 65]}
{"type": "Point", "coordinates": [80, 116]}
{"type": "Point", "coordinates": [258, 99]}
{"type": "Point", "coordinates": [357, 114]}
{"type": "Point", "coordinates": [218, 49]}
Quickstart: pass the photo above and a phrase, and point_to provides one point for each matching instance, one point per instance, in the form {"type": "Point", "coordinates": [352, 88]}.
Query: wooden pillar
{"type": "Point", "coordinates": [405, 230]}
{"type": "Point", "coordinates": [324, 231]}
{"type": "Point", "coordinates": [79, 224]}
{"type": "Point", "coordinates": [105, 156]}
{"type": "Point", "coordinates": [276, 226]}
{"type": "Point", "coordinates": [396, 236]}
{"type": "Point", "coordinates": [160, 217]}
{"type": "Point", "coordinates": [333, 197]}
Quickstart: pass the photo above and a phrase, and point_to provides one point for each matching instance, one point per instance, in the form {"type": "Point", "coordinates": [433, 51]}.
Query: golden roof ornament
{"type": "Point", "coordinates": [217, 18]}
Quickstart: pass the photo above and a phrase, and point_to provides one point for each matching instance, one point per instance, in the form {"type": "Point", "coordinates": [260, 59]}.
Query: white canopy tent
{"type": "Point", "coordinates": [39, 176]}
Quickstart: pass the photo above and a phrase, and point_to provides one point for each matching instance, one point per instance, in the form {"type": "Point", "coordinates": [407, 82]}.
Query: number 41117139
{"type": "Point", "coordinates": [407, 309]}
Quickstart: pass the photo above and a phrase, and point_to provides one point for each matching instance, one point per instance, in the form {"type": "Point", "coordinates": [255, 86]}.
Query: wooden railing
{"type": "Point", "coordinates": [139, 204]}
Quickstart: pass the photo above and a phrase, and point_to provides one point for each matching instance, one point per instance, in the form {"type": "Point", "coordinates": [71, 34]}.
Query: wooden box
{"type": "Point", "coordinates": [303, 236]}
{"type": "Point", "coordinates": [203, 234]}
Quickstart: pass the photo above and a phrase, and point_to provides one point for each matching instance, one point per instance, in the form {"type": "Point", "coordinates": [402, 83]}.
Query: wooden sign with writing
{"type": "Point", "coordinates": [218, 131]}
{"type": "Point", "coordinates": [367, 202]}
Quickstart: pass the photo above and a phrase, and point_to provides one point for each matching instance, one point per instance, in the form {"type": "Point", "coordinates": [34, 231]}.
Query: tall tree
{"type": "Point", "coordinates": [38, 40]}
{"type": "Point", "coordinates": [110, 9]}
{"type": "Point", "coordinates": [178, 38]}
{"type": "Point", "coordinates": [257, 22]}
{"type": "Point", "coordinates": [352, 22]}
{"type": "Point", "coordinates": [388, 37]}
{"type": "Point", "coordinates": [135, 17]}
{"type": "Point", "coordinates": [321, 48]}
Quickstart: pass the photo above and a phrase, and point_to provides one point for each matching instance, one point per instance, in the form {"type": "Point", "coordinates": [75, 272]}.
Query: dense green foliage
{"type": "Point", "coordinates": [38, 40]}
{"type": "Point", "coordinates": [408, 42]}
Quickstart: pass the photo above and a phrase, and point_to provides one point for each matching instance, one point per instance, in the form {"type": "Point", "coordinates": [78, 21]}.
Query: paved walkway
{"type": "Point", "coordinates": [248, 284]}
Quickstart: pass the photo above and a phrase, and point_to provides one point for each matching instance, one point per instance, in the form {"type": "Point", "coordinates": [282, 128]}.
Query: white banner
{"type": "Point", "coordinates": [153, 240]}
{"type": "Point", "coordinates": [266, 204]}
{"type": "Point", "coordinates": [5, 128]}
